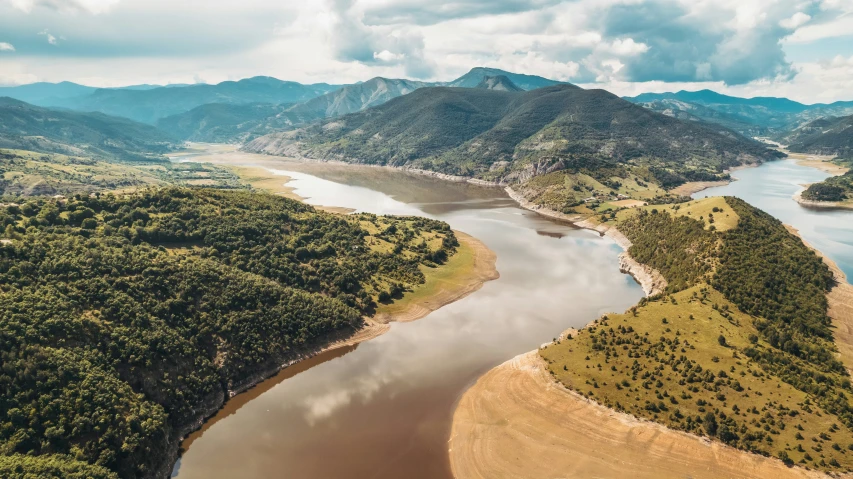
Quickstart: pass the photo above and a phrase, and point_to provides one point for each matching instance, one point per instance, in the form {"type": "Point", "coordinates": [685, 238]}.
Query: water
{"type": "Point", "coordinates": [771, 187]}
{"type": "Point", "coordinates": [382, 409]}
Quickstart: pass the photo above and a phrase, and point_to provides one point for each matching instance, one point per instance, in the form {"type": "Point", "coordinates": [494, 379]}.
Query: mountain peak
{"type": "Point", "coordinates": [476, 75]}
{"type": "Point", "coordinates": [498, 82]}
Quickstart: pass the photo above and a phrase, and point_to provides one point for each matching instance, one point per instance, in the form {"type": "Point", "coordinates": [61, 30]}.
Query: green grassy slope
{"type": "Point", "coordinates": [739, 348]}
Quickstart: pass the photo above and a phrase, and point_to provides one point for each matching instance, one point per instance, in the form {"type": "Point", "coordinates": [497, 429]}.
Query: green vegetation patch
{"type": "Point", "coordinates": [111, 344]}
{"type": "Point", "coordinates": [739, 348]}
{"type": "Point", "coordinates": [833, 189]}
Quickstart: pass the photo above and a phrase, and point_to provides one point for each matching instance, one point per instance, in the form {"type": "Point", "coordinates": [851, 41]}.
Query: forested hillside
{"type": "Point", "coordinates": [513, 136]}
{"type": "Point", "coordinates": [28, 127]}
{"type": "Point", "coordinates": [833, 189]}
{"type": "Point", "coordinates": [826, 136]}
{"type": "Point", "coordinates": [127, 318]}
{"type": "Point", "coordinates": [739, 348]}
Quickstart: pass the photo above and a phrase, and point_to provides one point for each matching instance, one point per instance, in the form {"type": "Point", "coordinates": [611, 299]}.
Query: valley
{"type": "Point", "coordinates": [234, 279]}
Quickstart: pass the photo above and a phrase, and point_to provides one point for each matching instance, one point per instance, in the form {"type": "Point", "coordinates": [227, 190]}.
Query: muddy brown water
{"type": "Point", "coordinates": [383, 409]}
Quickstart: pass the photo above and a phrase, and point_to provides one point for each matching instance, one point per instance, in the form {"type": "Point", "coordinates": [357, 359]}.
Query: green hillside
{"type": "Point", "coordinates": [127, 318]}
{"type": "Point", "coordinates": [826, 136]}
{"type": "Point", "coordinates": [739, 347]}
{"type": "Point", "coordinates": [513, 136]}
{"type": "Point", "coordinates": [28, 127]}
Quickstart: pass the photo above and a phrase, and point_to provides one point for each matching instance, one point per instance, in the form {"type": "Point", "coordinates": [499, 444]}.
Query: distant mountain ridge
{"type": "Point", "coordinates": [30, 127]}
{"type": "Point", "coordinates": [149, 105]}
{"type": "Point", "coordinates": [759, 116]}
{"type": "Point", "coordinates": [512, 136]}
{"type": "Point", "coordinates": [825, 136]}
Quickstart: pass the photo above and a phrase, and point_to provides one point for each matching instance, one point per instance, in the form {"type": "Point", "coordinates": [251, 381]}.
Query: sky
{"type": "Point", "coordinates": [800, 49]}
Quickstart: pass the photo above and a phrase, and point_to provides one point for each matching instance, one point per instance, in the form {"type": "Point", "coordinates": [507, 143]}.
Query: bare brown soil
{"type": "Point", "coordinates": [517, 422]}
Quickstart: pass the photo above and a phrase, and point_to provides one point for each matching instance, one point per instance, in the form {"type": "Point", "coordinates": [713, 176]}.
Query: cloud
{"type": "Point", "coordinates": [50, 38]}
{"type": "Point", "coordinates": [795, 21]}
{"type": "Point", "coordinates": [388, 57]}
{"type": "Point", "coordinates": [94, 7]}
{"type": "Point", "coordinates": [418, 12]}
{"type": "Point", "coordinates": [6, 47]}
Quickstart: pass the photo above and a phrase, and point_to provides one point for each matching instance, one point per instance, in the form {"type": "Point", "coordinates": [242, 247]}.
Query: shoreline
{"type": "Point", "coordinates": [650, 280]}
{"type": "Point", "coordinates": [501, 420]}
{"type": "Point", "coordinates": [826, 205]}
{"type": "Point", "coordinates": [840, 306]}
{"type": "Point", "coordinates": [482, 269]}
{"type": "Point", "coordinates": [517, 412]}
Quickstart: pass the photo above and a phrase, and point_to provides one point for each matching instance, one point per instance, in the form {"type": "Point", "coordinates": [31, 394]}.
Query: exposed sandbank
{"type": "Point", "coordinates": [517, 421]}
{"type": "Point", "coordinates": [840, 299]}
{"type": "Point", "coordinates": [829, 205]}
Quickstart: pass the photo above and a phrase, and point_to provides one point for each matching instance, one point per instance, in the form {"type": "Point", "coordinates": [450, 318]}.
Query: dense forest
{"type": "Point", "coordinates": [738, 348]}
{"type": "Point", "coordinates": [834, 189]}
{"type": "Point", "coordinates": [128, 317]}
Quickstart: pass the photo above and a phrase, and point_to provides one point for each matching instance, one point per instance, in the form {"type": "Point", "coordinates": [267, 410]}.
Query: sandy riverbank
{"type": "Point", "coordinates": [829, 205]}
{"type": "Point", "coordinates": [516, 421]}
{"type": "Point", "coordinates": [821, 162]}
{"type": "Point", "coordinates": [840, 299]}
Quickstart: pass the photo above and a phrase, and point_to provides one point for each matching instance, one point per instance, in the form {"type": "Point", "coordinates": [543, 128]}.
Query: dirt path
{"type": "Point", "coordinates": [517, 422]}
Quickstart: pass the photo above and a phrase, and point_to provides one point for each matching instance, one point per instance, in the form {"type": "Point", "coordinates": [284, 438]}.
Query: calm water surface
{"type": "Point", "coordinates": [382, 409]}
{"type": "Point", "coordinates": [771, 186]}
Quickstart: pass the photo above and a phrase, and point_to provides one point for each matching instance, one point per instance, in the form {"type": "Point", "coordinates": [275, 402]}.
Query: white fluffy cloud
{"type": "Point", "coordinates": [6, 47]}
{"type": "Point", "coordinates": [795, 21]}
{"type": "Point", "coordinates": [739, 44]}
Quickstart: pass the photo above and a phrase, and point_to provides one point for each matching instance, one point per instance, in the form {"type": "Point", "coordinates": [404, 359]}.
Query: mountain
{"type": "Point", "coordinates": [759, 116]}
{"type": "Point", "coordinates": [708, 97]}
{"type": "Point", "coordinates": [684, 110]}
{"type": "Point", "coordinates": [219, 122]}
{"type": "Point", "coordinates": [148, 106]}
{"type": "Point", "coordinates": [46, 94]}
{"type": "Point", "coordinates": [353, 98]}
{"type": "Point", "coordinates": [512, 136]}
{"type": "Point", "coordinates": [526, 82]}
{"type": "Point", "coordinates": [224, 122]}
{"type": "Point", "coordinates": [825, 136]}
{"type": "Point", "coordinates": [500, 82]}
{"type": "Point", "coordinates": [29, 127]}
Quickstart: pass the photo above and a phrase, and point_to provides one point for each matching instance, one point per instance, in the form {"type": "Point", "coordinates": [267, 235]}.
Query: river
{"type": "Point", "coordinates": [383, 409]}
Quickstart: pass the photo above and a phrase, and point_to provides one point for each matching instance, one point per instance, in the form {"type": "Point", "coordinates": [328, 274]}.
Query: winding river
{"type": "Point", "coordinates": [382, 409]}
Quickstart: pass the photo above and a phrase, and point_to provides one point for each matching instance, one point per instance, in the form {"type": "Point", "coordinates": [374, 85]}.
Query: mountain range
{"type": "Point", "coordinates": [512, 135]}
{"type": "Point", "coordinates": [759, 116]}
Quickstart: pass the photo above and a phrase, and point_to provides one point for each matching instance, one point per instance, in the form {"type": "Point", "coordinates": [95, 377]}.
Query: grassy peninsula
{"type": "Point", "coordinates": [739, 348]}
{"type": "Point", "coordinates": [129, 318]}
